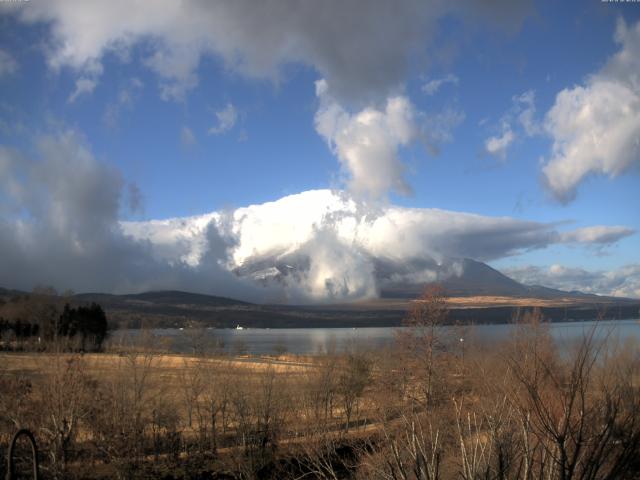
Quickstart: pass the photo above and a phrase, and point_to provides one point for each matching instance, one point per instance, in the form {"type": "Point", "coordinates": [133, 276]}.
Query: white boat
{"type": "Point", "coordinates": [238, 327]}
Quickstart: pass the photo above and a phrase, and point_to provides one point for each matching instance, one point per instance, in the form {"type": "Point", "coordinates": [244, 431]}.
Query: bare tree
{"type": "Point", "coordinates": [64, 405]}
{"type": "Point", "coordinates": [421, 340]}
{"type": "Point", "coordinates": [408, 449]}
{"type": "Point", "coordinates": [574, 427]}
{"type": "Point", "coordinates": [123, 409]}
{"type": "Point", "coordinates": [354, 377]}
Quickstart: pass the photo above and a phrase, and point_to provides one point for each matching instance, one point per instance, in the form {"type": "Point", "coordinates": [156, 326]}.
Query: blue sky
{"type": "Point", "coordinates": [196, 121]}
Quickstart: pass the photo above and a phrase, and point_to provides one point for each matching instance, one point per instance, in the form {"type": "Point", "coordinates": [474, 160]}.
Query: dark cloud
{"type": "Point", "coordinates": [503, 13]}
{"type": "Point", "coordinates": [362, 47]}
{"type": "Point", "coordinates": [60, 227]}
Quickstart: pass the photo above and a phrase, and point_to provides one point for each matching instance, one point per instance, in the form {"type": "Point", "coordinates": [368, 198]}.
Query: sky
{"type": "Point", "coordinates": [167, 145]}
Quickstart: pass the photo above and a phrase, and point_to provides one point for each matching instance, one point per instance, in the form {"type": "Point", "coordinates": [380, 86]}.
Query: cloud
{"type": "Point", "coordinates": [8, 64]}
{"type": "Point", "coordinates": [333, 245]}
{"type": "Point", "coordinates": [525, 110]}
{"type": "Point", "coordinates": [432, 86]}
{"type": "Point", "coordinates": [597, 235]}
{"type": "Point", "coordinates": [84, 86]}
{"type": "Point", "coordinates": [595, 127]}
{"type": "Point", "coordinates": [87, 82]}
{"type": "Point", "coordinates": [226, 120]}
{"type": "Point", "coordinates": [361, 47]}
{"type": "Point", "coordinates": [518, 121]}
{"type": "Point", "coordinates": [503, 13]}
{"type": "Point", "coordinates": [338, 270]}
{"type": "Point", "coordinates": [252, 39]}
{"type": "Point", "coordinates": [367, 143]}
{"type": "Point", "coordinates": [59, 225]}
{"type": "Point", "coordinates": [498, 146]}
{"type": "Point", "coordinates": [621, 282]}
{"type": "Point", "coordinates": [327, 245]}
{"type": "Point", "coordinates": [187, 137]}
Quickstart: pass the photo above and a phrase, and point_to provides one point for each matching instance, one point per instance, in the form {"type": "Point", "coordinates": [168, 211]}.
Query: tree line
{"type": "Point", "coordinates": [35, 320]}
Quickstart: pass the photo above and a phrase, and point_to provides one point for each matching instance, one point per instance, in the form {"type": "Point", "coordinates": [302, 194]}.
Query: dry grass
{"type": "Point", "coordinates": [33, 363]}
{"type": "Point", "coordinates": [476, 301]}
{"type": "Point", "coordinates": [498, 301]}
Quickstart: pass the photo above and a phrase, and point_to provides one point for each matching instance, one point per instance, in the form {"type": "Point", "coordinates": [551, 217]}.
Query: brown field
{"type": "Point", "coordinates": [168, 364]}
{"type": "Point", "coordinates": [476, 301]}
{"type": "Point", "coordinates": [497, 301]}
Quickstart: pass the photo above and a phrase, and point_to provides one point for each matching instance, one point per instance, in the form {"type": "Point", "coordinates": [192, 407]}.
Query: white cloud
{"type": "Point", "coordinates": [621, 282]}
{"type": "Point", "coordinates": [597, 235]}
{"type": "Point", "coordinates": [8, 64]}
{"type": "Point", "coordinates": [187, 137]}
{"type": "Point", "coordinates": [525, 111]}
{"type": "Point", "coordinates": [432, 86]}
{"type": "Point", "coordinates": [338, 242]}
{"type": "Point", "coordinates": [498, 146]}
{"type": "Point", "coordinates": [226, 120]}
{"type": "Point", "coordinates": [595, 127]}
{"type": "Point", "coordinates": [338, 270]}
{"type": "Point", "coordinates": [87, 82]}
{"type": "Point", "coordinates": [518, 121]}
{"type": "Point", "coordinates": [367, 143]}
{"type": "Point", "coordinates": [83, 86]}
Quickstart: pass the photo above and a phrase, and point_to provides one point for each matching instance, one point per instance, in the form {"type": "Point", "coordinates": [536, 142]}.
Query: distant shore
{"type": "Point", "coordinates": [378, 314]}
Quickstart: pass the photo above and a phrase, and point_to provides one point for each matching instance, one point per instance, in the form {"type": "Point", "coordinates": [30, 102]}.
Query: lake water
{"type": "Point", "coordinates": [314, 340]}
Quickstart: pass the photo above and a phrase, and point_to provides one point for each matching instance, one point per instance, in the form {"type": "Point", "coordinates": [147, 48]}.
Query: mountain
{"type": "Point", "coordinates": [168, 308]}
{"type": "Point", "coordinates": [477, 292]}
{"type": "Point", "coordinates": [164, 297]}
{"type": "Point", "coordinates": [470, 278]}
{"type": "Point", "coordinates": [407, 279]}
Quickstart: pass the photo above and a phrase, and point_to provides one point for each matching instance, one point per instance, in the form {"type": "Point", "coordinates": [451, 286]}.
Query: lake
{"type": "Point", "coordinates": [314, 340]}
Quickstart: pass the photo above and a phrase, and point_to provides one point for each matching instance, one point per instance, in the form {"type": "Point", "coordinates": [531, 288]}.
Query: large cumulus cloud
{"type": "Point", "coordinates": [596, 126]}
{"type": "Point", "coordinates": [367, 143]}
{"type": "Point", "coordinates": [334, 243]}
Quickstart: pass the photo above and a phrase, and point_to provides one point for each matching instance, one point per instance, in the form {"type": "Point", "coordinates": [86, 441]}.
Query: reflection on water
{"type": "Point", "coordinates": [315, 340]}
